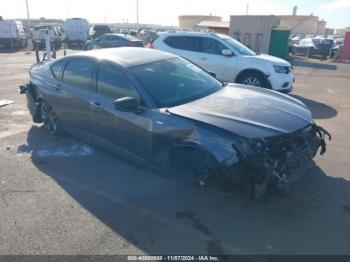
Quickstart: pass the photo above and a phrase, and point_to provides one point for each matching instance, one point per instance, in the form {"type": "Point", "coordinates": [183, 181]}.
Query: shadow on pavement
{"type": "Point", "coordinates": [318, 110]}
{"type": "Point", "coordinates": [164, 214]}
{"type": "Point", "coordinates": [305, 62]}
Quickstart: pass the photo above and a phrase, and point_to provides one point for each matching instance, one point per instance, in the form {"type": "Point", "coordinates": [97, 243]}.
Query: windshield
{"type": "Point", "coordinates": [175, 81]}
{"type": "Point", "coordinates": [238, 47]}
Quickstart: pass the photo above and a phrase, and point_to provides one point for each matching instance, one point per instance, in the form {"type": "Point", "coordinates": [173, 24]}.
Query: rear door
{"type": "Point", "coordinates": [76, 91]}
{"type": "Point", "coordinates": [127, 132]}
{"type": "Point", "coordinates": [186, 46]}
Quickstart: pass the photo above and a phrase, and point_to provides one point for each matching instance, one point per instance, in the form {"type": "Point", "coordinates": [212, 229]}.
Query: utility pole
{"type": "Point", "coordinates": [137, 12]}
{"type": "Point", "coordinates": [247, 10]}
{"type": "Point", "coordinates": [29, 35]}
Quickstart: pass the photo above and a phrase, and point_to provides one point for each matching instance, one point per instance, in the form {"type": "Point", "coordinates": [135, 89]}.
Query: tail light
{"type": "Point", "coordinates": [17, 32]}
{"type": "Point", "coordinates": [129, 43]}
{"type": "Point", "coordinates": [149, 45]}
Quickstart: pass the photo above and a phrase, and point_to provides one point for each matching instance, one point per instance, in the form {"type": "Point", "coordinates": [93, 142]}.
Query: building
{"type": "Point", "coordinates": [40, 21]}
{"type": "Point", "coordinates": [254, 31]}
{"type": "Point", "coordinates": [221, 27]}
{"type": "Point", "coordinates": [304, 24]}
{"type": "Point", "coordinates": [189, 22]}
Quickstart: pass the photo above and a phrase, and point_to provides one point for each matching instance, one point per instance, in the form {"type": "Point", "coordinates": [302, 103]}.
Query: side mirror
{"type": "Point", "coordinates": [127, 104]}
{"type": "Point", "coordinates": [212, 74]}
{"type": "Point", "coordinates": [226, 52]}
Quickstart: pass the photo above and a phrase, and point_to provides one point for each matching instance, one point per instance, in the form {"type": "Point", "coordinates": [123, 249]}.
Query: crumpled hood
{"type": "Point", "coordinates": [274, 60]}
{"type": "Point", "coordinates": [248, 111]}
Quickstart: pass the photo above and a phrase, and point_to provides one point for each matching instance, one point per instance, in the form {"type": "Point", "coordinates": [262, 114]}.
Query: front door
{"type": "Point", "coordinates": [127, 132]}
{"type": "Point", "coordinates": [212, 60]}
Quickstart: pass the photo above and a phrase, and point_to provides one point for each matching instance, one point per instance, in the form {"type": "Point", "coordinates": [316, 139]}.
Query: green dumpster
{"type": "Point", "coordinates": [279, 42]}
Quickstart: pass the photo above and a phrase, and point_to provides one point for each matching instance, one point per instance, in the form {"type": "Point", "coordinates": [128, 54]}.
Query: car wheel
{"type": "Point", "coordinates": [252, 79]}
{"type": "Point", "coordinates": [308, 53]}
{"type": "Point", "coordinates": [50, 119]}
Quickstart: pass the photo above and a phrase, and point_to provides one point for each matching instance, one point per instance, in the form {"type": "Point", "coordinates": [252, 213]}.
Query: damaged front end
{"type": "Point", "coordinates": [32, 101]}
{"type": "Point", "coordinates": [278, 160]}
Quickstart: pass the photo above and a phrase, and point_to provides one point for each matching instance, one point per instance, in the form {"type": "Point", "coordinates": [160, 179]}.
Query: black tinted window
{"type": "Point", "coordinates": [78, 73]}
{"type": "Point", "coordinates": [211, 46]}
{"type": "Point", "coordinates": [57, 69]}
{"type": "Point", "coordinates": [184, 42]}
{"type": "Point", "coordinates": [113, 83]}
{"type": "Point", "coordinates": [175, 81]}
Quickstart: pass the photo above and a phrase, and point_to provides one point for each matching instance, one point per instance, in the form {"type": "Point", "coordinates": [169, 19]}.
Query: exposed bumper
{"type": "Point", "coordinates": [280, 160]}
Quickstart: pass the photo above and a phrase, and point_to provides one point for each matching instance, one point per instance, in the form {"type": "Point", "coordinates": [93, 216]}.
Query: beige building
{"type": "Point", "coordinates": [220, 27]}
{"type": "Point", "coordinates": [304, 24]}
{"type": "Point", "coordinates": [188, 22]}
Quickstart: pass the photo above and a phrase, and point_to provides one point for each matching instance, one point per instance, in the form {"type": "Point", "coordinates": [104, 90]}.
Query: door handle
{"type": "Point", "coordinates": [204, 58]}
{"type": "Point", "coordinates": [96, 105]}
{"type": "Point", "coordinates": [57, 87]}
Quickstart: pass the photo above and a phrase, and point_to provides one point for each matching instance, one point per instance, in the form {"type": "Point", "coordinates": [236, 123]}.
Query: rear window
{"type": "Point", "coordinates": [184, 42]}
{"type": "Point", "coordinates": [57, 69]}
{"type": "Point", "coordinates": [78, 73]}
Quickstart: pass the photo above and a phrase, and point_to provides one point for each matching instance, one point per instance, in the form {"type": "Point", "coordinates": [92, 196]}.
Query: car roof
{"type": "Point", "coordinates": [192, 33]}
{"type": "Point", "coordinates": [127, 56]}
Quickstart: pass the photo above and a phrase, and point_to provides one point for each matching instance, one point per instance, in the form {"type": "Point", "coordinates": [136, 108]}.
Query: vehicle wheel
{"type": "Point", "coordinates": [308, 53]}
{"type": "Point", "coordinates": [88, 47]}
{"type": "Point", "coordinates": [252, 79]}
{"type": "Point", "coordinates": [50, 119]}
{"type": "Point", "coordinates": [204, 165]}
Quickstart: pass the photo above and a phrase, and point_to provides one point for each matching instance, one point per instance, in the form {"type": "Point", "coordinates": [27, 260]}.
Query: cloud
{"type": "Point", "coordinates": [336, 4]}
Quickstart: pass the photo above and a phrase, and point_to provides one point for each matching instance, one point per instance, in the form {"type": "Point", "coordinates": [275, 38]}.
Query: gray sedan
{"type": "Point", "coordinates": [113, 40]}
{"type": "Point", "coordinates": [158, 109]}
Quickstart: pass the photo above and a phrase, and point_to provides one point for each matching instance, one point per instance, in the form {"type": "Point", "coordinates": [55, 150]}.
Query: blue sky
{"type": "Point", "coordinates": [335, 12]}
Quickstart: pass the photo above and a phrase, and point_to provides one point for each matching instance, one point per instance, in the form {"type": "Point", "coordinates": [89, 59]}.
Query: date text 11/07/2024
{"type": "Point", "coordinates": [173, 258]}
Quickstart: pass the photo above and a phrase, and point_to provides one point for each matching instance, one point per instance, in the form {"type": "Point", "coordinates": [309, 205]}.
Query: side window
{"type": "Point", "coordinates": [184, 42]}
{"type": "Point", "coordinates": [211, 46]}
{"type": "Point", "coordinates": [102, 38]}
{"type": "Point", "coordinates": [114, 38]}
{"type": "Point", "coordinates": [78, 73]}
{"type": "Point", "coordinates": [113, 83]}
{"type": "Point", "coordinates": [57, 69]}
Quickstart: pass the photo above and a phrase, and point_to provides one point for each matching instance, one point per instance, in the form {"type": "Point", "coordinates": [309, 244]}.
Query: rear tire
{"type": "Point", "coordinates": [50, 119]}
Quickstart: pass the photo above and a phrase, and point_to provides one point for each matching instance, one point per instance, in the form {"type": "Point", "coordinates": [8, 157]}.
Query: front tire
{"type": "Point", "coordinates": [50, 119]}
{"type": "Point", "coordinates": [253, 79]}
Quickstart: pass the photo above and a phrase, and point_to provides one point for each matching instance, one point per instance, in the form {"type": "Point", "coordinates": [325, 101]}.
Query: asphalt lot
{"type": "Point", "coordinates": [60, 196]}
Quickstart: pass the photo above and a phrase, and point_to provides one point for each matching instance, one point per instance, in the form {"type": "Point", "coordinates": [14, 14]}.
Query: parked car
{"type": "Point", "coordinates": [12, 34]}
{"type": "Point", "coordinates": [313, 47]}
{"type": "Point", "coordinates": [158, 108]}
{"type": "Point", "coordinates": [38, 36]}
{"type": "Point", "coordinates": [112, 40]}
{"type": "Point", "coordinates": [336, 46]}
{"type": "Point", "coordinates": [77, 31]}
{"type": "Point", "coordinates": [230, 60]}
{"type": "Point", "coordinates": [98, 30]}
